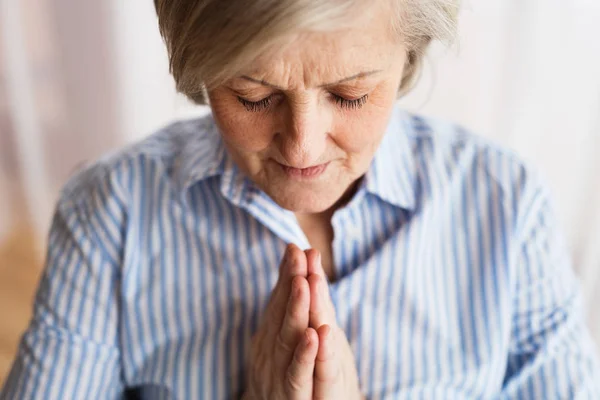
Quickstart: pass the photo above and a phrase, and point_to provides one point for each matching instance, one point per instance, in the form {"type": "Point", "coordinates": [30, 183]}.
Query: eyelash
{"type": "Point", "coordinates": [256, 106]}
{"type": "Point", "coordinates": [350, 104]}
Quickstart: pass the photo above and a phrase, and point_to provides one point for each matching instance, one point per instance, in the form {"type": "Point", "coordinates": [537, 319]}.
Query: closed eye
{"type": "Point", "coordinates": [350, 104]}
{"type": "Point", "coordinates": [342, 102]}
{"type": "Point", "coordinates": [256, 106]}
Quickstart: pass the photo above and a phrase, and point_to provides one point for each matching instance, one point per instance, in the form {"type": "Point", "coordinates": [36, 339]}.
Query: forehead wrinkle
{"type": "Point", "coordinates": [356, 76]}
{"type": "Point", "coordinates": [298, 66]}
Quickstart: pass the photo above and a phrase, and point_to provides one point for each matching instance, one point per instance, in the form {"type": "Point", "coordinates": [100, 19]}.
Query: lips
{"type": "Point", "coordinates": [304, 173]}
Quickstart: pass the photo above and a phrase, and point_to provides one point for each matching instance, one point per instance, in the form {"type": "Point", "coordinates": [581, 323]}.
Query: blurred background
{"type": "Point", "coordinates": [81, 78]}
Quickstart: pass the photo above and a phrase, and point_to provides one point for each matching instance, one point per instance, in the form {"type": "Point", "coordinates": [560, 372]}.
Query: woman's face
{"type": "Point", "coordinates": [305, 121]}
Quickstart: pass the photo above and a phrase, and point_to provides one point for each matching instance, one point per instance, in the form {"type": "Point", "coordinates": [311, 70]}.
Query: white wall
{"type": "Point", "coordinates": [147, 96]}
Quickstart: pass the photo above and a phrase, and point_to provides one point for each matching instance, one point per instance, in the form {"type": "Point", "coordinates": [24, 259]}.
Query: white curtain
{"type": "Point", "coordinates": [80, 78]}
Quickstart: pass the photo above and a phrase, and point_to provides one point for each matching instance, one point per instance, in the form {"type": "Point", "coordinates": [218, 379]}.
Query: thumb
{"type": "Point", "coordinates": [299, 376]}
{"type": "Point", "coordinates": [327, 367]}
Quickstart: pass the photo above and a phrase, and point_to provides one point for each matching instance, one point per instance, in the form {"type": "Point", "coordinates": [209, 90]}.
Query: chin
{"type": "Point", "coordinates": [305, 201]}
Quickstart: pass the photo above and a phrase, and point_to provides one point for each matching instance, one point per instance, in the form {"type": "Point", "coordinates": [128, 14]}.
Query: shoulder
{"type": "Point", "coordinates": [162, 156]}
{"type": "Point", "coordinates": [471, 163]}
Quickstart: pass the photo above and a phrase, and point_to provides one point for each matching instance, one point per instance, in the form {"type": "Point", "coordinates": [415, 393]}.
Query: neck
{"type": "Point", "coordinates": [319, 231]}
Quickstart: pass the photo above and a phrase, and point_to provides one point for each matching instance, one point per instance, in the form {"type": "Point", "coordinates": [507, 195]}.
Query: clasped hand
{"type": "Point", "coordinates": [299, 352]}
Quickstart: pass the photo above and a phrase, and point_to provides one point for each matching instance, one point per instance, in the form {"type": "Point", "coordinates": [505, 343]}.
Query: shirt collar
{"type": "Point", "coordinates": [391, 176]}
{"type": "Point", "coordinates": [201, 152]}
{"type": "Point", "coordinates": [203, 155]}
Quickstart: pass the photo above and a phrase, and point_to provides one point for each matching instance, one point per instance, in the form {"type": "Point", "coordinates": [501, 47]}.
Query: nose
{"type": "Point", "coordinates": [304, 134]}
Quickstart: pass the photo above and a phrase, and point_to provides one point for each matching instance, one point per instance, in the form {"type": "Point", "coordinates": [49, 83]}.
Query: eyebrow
{"type": "Point", "coordinates": [350, 78]}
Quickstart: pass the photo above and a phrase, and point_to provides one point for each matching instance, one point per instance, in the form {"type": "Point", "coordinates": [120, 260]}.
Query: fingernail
{"type": "Point", "coordinates": [306, 338]}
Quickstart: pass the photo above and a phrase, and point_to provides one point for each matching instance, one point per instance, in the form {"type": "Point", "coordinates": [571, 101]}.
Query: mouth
{"type": "Point", "coordinates": [312, 172]}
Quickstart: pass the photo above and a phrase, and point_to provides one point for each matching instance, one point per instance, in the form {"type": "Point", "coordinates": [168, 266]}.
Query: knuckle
{"type": "Point", "coordinates": [294, 312]}
{"type": "Point", "coordinates": [313, 281]}
{"type": "Point", "coordinates": [294, 382]}
{"type": "Point", "coordinates": [282, 344]}
{"type": "Point", "coordinates": [328, 377]}
{"type": "Point", "coordinates": [302, 361]}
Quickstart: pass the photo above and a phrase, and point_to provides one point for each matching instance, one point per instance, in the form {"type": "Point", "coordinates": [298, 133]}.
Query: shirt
{"type": "Point", "coordinates": [453, 279]}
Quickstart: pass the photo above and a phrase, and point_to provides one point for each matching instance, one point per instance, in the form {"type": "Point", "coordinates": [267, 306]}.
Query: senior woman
{"type": "Point", "coordinates": [307, 239]}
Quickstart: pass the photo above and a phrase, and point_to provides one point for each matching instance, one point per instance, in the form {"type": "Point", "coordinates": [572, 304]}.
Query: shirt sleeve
{"type": "Point", "coordinates": [552, 354]}
{"type": "Point", "coordinates": [70, 349]}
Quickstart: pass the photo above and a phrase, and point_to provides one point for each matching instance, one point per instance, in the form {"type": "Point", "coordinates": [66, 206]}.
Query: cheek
{"type": "Point", "coordinates": [360, 132]}
{"type": "Point", "coordinates": [242, 130]}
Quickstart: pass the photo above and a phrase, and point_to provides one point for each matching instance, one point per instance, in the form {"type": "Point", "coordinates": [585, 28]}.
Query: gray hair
{"type": "Point", "coordinates": [208, 41]}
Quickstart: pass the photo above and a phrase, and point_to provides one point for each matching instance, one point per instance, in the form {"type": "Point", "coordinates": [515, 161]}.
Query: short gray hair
{"type": "Point", "coordinates": [208, 41]}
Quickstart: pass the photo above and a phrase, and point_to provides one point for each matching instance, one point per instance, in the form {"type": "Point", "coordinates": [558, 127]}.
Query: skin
{"type": "Point", "coordinates": [324, 99]}
{"type": "Point", "coordinates": [299, 351]}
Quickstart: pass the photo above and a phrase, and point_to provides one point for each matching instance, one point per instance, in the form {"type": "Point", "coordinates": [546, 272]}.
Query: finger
{"type": "Point", "coordinates": [321, 308]}
{"type": "Point", "coordinates": [314, 263]}
{"type": "Point", "coordinates": [292, 264]}
{"type": "Point", "coordinates": [282, 265]}
{"type": "Point", "coordinates": [327, 367]}
{"type": "Point", "coordinates": [295, 320]}
{"type": "Point", "coordinates": [295, 265]}
{"type": "Point", "coordinates": [314, 266]}
{"type": "Point", "coordinates": [299, 376]}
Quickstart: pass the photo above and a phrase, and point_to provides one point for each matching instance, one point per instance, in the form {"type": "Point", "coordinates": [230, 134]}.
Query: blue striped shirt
{"type": "Point", "coordinates": [453, 279]}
